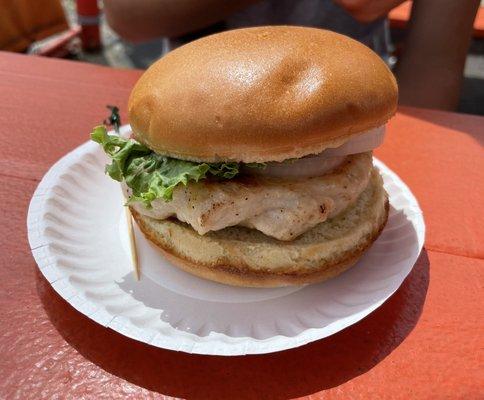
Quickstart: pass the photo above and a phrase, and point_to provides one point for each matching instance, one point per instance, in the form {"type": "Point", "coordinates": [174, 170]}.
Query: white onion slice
{"type": "Point", "coordinates": [301, 168]}
{"type": "Point", "coordinates": [360, 144]}
{"type": "Point", "coordinates": [320, 164]}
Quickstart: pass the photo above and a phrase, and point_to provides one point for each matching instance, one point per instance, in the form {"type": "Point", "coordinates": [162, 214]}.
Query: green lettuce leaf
{"type": "Point", "coordinates": [152, 176]}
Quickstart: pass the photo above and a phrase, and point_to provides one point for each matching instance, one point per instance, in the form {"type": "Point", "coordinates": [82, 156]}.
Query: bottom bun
{"type": "Point", "coordinates": [241, 256]}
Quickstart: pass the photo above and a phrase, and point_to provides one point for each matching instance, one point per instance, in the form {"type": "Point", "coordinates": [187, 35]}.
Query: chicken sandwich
{"type": "Point", "coordinates": [251, 157]}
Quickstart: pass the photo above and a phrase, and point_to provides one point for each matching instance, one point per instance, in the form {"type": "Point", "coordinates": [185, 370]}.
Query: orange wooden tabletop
{"type": "Point", "coordinates": [425, 342]}
{"type": "Point", "coordinates": [400, 16]}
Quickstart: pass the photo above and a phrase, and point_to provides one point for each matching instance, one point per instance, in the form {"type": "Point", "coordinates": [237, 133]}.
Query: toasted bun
{"type": "Point", "coordinates": [261, 94]}
{"type": "Point", "coordinates": [244, 257]}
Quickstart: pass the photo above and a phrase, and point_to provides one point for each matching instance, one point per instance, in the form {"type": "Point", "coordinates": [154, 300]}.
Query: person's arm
{"type": "Point", "coordinates": [147, 19]}
{"type": "Point", "coordinates": [430, 69]}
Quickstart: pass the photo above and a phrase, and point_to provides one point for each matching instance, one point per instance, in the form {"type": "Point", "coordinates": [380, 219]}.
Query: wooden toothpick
{"type": "Point", "coordinates": [132, 241]}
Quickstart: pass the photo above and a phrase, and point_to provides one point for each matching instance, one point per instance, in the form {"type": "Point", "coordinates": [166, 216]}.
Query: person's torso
{"type": "Point", "coordinates": [316, 13]}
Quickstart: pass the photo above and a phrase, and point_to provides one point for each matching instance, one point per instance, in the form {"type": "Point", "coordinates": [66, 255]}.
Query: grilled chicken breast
{"type": "Point", "coordinates": [281, 208]}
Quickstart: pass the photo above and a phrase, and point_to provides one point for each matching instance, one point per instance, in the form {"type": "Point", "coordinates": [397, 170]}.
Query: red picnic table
{"type": "Point", "coordinates": [426, 341]}
{"type": "Point", "coordinates": [400, 16]}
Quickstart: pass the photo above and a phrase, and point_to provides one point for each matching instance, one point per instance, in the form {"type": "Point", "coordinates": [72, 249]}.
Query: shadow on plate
{"type": "Point", "coordinates": [183, 301]}
{"type": "Point", "coordinates": [311, 368]}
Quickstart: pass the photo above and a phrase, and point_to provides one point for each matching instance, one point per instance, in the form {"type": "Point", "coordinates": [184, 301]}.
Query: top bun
{"type": "Point", "coordinates": [261, 94]}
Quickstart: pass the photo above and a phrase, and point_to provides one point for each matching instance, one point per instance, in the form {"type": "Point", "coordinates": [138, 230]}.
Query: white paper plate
{"type": "Point", "coordinates": [77, 234]}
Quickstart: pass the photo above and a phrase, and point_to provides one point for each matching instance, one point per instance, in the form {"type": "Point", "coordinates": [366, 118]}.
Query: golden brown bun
{"type": "Point", "coordinates": [244, 257]}
{"type": "Point", "coordinates": [261, 94]}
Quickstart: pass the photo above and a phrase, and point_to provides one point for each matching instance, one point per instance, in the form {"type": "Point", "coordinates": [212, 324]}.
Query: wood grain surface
{"type": "Point", "coordinates": [425, 342]}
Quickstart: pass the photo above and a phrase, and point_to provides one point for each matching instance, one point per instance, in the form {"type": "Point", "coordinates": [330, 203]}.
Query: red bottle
{"type": "Point", "coordinates": [88, 17]}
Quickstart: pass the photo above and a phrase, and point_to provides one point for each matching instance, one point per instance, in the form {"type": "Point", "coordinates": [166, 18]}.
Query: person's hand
{"type": "Point", "coordinates": [368, 10]}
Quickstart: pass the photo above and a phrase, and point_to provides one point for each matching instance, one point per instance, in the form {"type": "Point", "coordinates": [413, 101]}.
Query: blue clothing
{"type": "Point", "coordinates": [316, 13]}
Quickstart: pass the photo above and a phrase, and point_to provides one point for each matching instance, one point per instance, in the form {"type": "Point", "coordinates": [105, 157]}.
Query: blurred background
{"type": "Point", "coordinates": [77, 29]}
